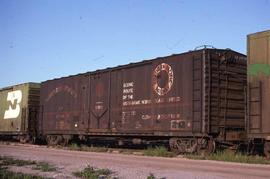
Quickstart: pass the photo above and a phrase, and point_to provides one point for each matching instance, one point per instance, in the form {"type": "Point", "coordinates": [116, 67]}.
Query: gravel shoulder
{"type": "Point", "coordinates": [131, 166]}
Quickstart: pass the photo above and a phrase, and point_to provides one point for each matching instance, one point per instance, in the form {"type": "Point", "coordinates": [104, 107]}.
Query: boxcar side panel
{"type": "Point", "coordinates": [14, 107]}
{"type": "Point", "coordinates": [156, 97]}
{"type": "Point", "coordinates": [259, 84]}
{"type": "Point", "coordinates": [165, 96]}
{"type": "Point", "coordinates": [64, 105]}
{"type": "Point", "coordinates": [176, 105]}
{"type": "Point", "coordinates": [116, 100]}
{"type": "Point", "coordinates": [225, 90]}
{"type": "Point", "coordinates": [99, 102]}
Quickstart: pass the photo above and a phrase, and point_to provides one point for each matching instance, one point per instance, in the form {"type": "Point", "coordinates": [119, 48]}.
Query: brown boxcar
{"type": "Point", "coordinates": [258, 49]}
{"type": "Point", "coordinates": [19, 111]}
{"type": "Point", "coordinates": [191, 99]}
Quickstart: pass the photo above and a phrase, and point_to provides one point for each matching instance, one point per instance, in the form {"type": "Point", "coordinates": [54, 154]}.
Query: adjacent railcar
{"type": "Point", "coordinates": [258, 48]}
{"type": "Point", "coordinates": [19, 111]}
{"type": "Point", "coordinates": [193, 100]}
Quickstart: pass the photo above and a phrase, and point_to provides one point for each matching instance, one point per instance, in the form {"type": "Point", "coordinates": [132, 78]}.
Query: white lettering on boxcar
{"type": "Point", "coordinates": [15, 97]}
{"type": "Point", "coordinates": [128, 102]}
{"type": "Point", "coordinates": [128, 91]}
{"type": "Point", "coordinates": [128, 84]}
{"type": "Point", "coordinates": [160, 116]}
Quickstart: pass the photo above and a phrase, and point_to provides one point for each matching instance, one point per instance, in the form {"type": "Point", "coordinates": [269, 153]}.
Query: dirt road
{"type": "Point", "coordinates": [131, 166]}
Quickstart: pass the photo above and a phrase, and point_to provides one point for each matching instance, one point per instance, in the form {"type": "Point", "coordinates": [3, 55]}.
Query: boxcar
{"type": "Point", "coordinates": [19, 111]}
{"type": "Point", "coordinates": [193, 100]}
{"type": "Point", "coordinates": [258, 49]}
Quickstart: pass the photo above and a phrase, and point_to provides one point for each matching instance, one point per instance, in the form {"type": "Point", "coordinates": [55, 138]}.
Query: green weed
{"type": "Point", "coordinates": [15, 175]}
{"type": "Point", "coordinates": [45, 167]}
{"type": "Point", "coordinates": [158, 151]}
{"type": "Point", "coordinates": [92, 173]}
{"type": "Point", "coordinates": [230, 157]}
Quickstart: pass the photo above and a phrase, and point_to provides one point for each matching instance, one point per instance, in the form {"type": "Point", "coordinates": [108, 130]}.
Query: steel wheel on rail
{"type": "Point", "coordinates": [53, 140]}
{"type": "Point", "coordinates": [206, 146]}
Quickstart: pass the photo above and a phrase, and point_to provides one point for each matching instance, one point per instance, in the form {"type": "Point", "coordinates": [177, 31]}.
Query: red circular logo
{"type": "Point", "coordinates": [162, 79]}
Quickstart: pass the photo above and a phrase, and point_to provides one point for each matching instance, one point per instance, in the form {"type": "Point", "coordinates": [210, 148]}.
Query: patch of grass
{"type": "Point", "coordinates": [195, 157]}
{"type": "Point", "coordinates": [158, 151]}
{"type": "Point", "coordinates": [15, 175]}
{"type": "Point", "coordinates": [94, 149]}
{"type": "Point", "coordinates": [92, 173]}
{"type": "Point", "coordinates": [74, 146]}
{"type": "Point", "coordinates": [151, 176]}
{"type": "Point", "coordinates": [45, 167]}
{"type": "Point", "coordinates": [230, 157]}
{"type": "Point", "coordinates": [7, 161]}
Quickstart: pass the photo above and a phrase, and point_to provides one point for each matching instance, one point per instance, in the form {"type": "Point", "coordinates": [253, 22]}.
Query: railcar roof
{"type": "Point", "coordinates": [12, 86]}
{"type": "Point", "coordinates": [142, 62]}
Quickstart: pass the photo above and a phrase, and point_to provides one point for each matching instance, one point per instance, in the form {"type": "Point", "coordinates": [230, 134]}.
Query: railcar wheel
{"type": "Point", "coordinates": [267, 149]}
{"type": "Point", "coordinates": [206, 146]}
{"type": "Point", "coordinates": [173, 145]}
{"type": "Point", "coordinates": [53, 140]}
{"type": "Point", "coordinates": [65, 140]}
{"type": "Point", "coordinates": [24, 139]}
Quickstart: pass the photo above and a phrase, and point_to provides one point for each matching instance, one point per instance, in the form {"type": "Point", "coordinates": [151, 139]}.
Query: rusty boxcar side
{"type": "Point", "coordinates": [64, 106]}
{"type": "Point", "coordinates": [184, 98]}
{"type": "Point", "coordinates": [19, 110]}
{"type": "Point", "coordinates": [258, 48]}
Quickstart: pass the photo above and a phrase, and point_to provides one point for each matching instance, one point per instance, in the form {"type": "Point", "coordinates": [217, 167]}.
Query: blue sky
{"type": "Point", "coordinates": [46, 39]}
